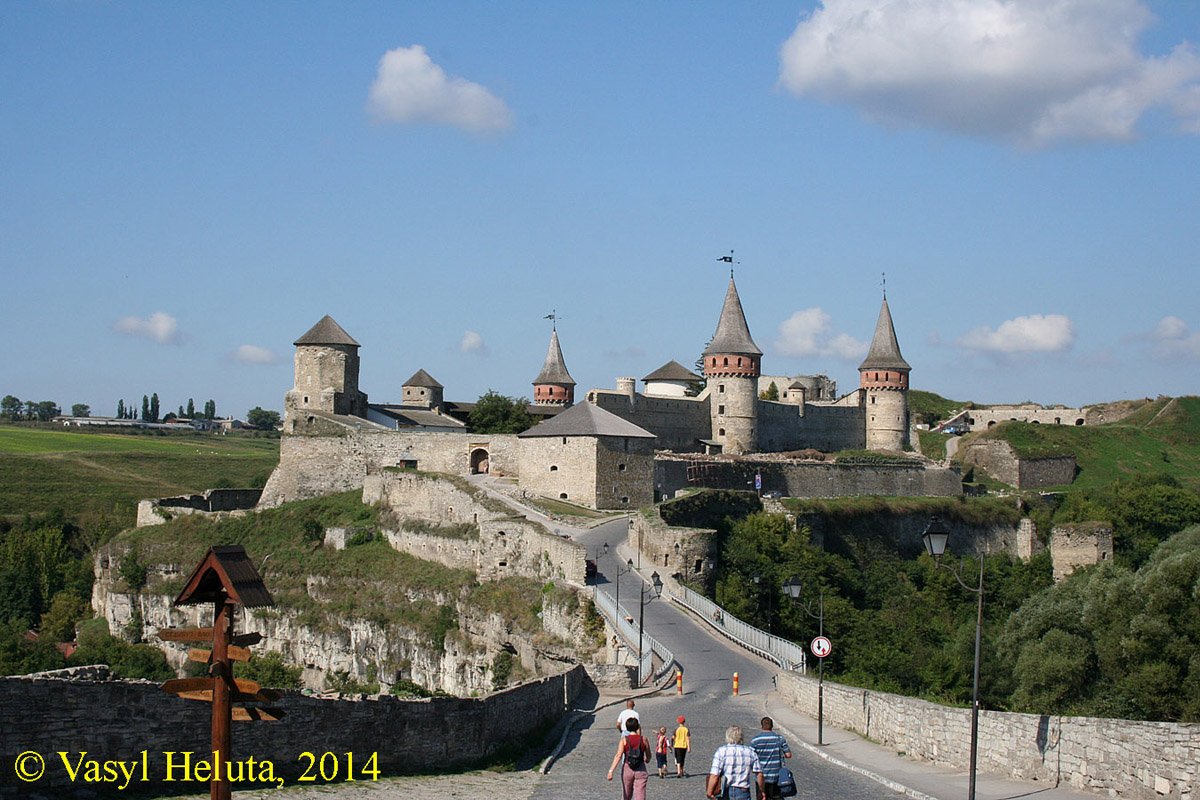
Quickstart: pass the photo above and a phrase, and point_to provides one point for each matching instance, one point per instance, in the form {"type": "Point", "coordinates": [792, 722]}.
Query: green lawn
{"type": "Point", "coordinates": [90, 475]}
{"type": "Point", "coordinates": [1161, 438]}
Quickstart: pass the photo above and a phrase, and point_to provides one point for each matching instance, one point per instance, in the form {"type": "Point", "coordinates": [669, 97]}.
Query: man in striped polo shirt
{"type": "Point", "coordinates": [772, 749]}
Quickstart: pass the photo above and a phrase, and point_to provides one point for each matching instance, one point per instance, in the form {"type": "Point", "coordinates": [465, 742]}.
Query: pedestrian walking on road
{"type": "Point", "coordinates": [771, 749]}
{"type": "Point", "coordinates": [737, 764]}
{"type": "Point", "coordinates": [662, 747]}
{"type": "Point", "coordinates": [683, 745]}
{"type": "Point", "coordinates": [634, 749]}
{"type": "Point", "coordinates": [625, 715]}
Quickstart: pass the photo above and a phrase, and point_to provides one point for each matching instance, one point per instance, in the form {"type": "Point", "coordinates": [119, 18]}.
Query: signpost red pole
{"type": "Point", "coordinates": [222, 714]}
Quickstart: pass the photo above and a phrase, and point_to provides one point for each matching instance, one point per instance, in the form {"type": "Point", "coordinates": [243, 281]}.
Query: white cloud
{"type": "Point", "coordinates": [809, 333]}
{"type": "Point", "coordinates": [1174, 342]}
{"type": "Point", "coordinates": [159, 327]}
{"type": "Point", "coordinates": [472, 342]}
{"type": "Point", "coordinates": [410, 88]}
{"type": "Point", "coordinates": [1037, 333]}
{"type": "Point", "coordinates": [1026, 71]}
{"type": "Point", "coordinates": [253, 354]}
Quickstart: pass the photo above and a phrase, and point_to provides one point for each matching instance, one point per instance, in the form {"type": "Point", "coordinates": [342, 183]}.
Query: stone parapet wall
{"type": "Point", "coordinates": [1079, 545]}
{"type": "Point", "coordinates": [656, 541]}
{"type": "Point", "coordinates": [1122, 758]}
{"type": "Point", "coordinates": [213, 503]}
{"type": "Point", "coordinates": [118, 720]}
{"type": "Point", "coordinates": [677, 422]}
{"type": "Point", "coordinates": [814, 479]}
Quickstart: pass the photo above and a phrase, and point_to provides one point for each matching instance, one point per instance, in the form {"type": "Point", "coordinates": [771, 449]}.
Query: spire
{"type": "Point", "coordinates": [885, 350]}
{"type": "Point", "coordinates": [554, 370]}
{"type": "Point", "coordinates": [733, 334]}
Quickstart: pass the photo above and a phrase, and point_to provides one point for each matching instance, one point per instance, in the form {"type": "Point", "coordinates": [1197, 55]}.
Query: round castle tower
{"type": "Point", "coordinates": [554, 386]}
{"type": "Point", "coordinates": [326, 374]}
{"type": "Point", "coordinates": [732, 363]}
{"type": "Point", "coordinates": [422, 390]}
{"type": "Point", "coordinates": [883, 377]}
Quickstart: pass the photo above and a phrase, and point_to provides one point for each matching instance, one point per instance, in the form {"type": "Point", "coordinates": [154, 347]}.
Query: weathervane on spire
{"type": "Point", "coordinates": [554, 317]}
{"type": "Point", "coordinates": [885, 286]}
{"type": "Point", "coordinates": [729, 260]}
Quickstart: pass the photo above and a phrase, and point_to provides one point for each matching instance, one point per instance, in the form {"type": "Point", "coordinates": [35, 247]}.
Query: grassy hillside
{"type": "Point", "coordinates": [91, 474]}
{"type": "Point", "coordinates": [928, 408]}
{"type": "Point", "coordinates": [1162, 437]}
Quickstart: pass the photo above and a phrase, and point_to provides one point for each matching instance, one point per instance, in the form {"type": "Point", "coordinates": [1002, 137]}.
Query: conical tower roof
{"type": "Point", "coordinates": [885, 350]}
{"type": "Point", "coordinates": [326, 332]}
{"type": "Point", "coordinates": [554, 371]}
{"type": "Point", "coordinates": [733, 334]}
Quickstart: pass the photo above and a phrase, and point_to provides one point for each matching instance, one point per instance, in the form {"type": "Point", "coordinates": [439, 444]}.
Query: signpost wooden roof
{"type": "Point", "coordinates": [225, 574]}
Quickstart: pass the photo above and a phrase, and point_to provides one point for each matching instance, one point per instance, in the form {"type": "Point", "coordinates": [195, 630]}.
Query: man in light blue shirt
{"type": "Point", "coordinates": [771, 749]}
{"type": "Point", "coordinates": [738, 764]}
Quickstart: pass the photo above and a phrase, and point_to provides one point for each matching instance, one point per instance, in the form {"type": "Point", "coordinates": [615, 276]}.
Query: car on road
{"type": "Point", "coordinates": [589, 569]}
{"type": "Point", "coordinates": [772, 495]}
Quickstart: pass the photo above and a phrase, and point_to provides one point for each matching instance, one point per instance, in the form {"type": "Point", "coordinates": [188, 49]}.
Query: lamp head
{"type": "Point", "coordinates": [606, 548]}
{"type": "Point", "coordinates": [629, 563]}
{"type": "Point", "coordinates": [656, 581]}
{"type": "Point", "coordinates": [936, 535]}
{"type": "Point", "coordinates": [792, 587]}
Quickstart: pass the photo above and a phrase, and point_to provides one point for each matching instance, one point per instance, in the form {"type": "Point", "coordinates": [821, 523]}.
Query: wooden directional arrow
{"type": "Point", "coordinates": [186, 634]}
{"type": "Point", "coordinates": [247, 639]}
{"type": "Point", "coordinates": [203, 656]}
{"type": "Point", "coordinates": [179, 685]}
{"type": "Point", "coordinates": [257, 714]}
{"type": "Point", "coordinates": [258, 696]}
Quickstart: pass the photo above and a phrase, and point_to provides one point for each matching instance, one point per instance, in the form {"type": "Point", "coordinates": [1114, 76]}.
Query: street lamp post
{"type": "Point", "coordinates": [757, 578]}
{"type": "Point", "coordinates": [792, 588]}
{"type": "Point", "coordinates": [657, 585]}
{"type": "Point", "coordinates": [936, 535]}
{"type": "Point", "coordinates": [621, 572]}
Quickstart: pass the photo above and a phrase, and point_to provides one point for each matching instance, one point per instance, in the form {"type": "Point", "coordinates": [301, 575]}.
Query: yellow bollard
{"type": "Point", "coordinates": [678, 681]}
{"type": "Point", "coordinates": [735, 684]}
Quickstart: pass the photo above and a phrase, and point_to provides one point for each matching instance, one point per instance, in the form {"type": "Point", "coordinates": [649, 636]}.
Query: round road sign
{"type": "Point", "coordinates": [821, 646]}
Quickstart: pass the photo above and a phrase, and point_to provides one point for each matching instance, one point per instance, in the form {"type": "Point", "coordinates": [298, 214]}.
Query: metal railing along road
{"type": "Point", "coordinates": [786, 654]}
{"type": "Point", "coordinates": [627, 628]}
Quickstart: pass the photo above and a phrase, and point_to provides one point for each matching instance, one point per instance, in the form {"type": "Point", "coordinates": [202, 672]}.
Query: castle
{"type": "Point", "coordinates": [604, 452]}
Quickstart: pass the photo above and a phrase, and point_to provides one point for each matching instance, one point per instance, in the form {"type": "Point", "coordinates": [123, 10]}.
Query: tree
{"type": "Point", "coordinates": [81, 410]}
{"type": "Point", "coordinates": [772, 393]}
{"type": "Point", "coordinates": [10, 407]}
{"type": "Point", "coordinates": [145, 408]}
{"type": "Point", "coordinates": [210, 409]}
{"type": "Point", "coordinates": [695, 387]}
{"type": "Point", "coordinates": [191, 409]}
{"type": "Point", "coordinates": [47, 410]}
{"type": "Point", "coordinates": [120, 409]}
{"type": "Point", "coordinates": [31, 409]}
{"type": "Point", "coordinates": [497, 413]}
{"type": "Point", "coordinates": [154, 407]}
{"type": "Point", "coordinates": [263, 420]}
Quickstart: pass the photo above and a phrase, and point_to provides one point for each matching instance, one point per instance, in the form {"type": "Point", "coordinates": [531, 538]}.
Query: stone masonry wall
{"type": "Point", "coordinates": [815, 479]}
{"type": "Point", "coordinates": [311, 466]}
{"type": "Point", "coordinates": [677, 422]}
{"type": "Point", "coordinates": [117, 720]}
{"type": "Point", "coordinates": [214, 502]}
{"type": "Point", "coordinates": [508, 543]}
{"type": "Point", "coordinates": [997, 457]}
{"type": "Point", "coordinates": [1121, 758]}
{"type": "Point", "coordinates": [1079, 545]}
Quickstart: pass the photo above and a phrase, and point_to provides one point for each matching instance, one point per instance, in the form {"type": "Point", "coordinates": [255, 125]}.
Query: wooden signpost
{"type": "Point", "coordinates": [226, 578]}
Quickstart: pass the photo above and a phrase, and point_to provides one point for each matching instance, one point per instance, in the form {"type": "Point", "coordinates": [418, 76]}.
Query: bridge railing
{"type": "Point", "coordinates": [627, 628]}
{"type": "Point", "coordinates": [786, 654]}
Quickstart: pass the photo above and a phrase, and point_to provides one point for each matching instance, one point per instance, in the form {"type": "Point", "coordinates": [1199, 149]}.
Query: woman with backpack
{"type": "Point", "coordinates": [634, 749]}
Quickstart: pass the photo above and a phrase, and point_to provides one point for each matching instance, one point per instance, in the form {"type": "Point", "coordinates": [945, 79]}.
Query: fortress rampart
{"type": "Point", "coordinates": [807, 479]}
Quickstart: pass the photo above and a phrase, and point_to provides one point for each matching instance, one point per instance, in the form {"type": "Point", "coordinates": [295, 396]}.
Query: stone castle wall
{"type": "Point", "coordinates": [678, 422]}
{"type": "Point", "coordinates": [997, 457]}
{"type": "Point", "coordinates": [563, 470]}
{"type": "Point", "coordinates": [1080, 544]}
{"type": "Point", "coordinates": [693, 561]}
{"type": "Point", "coordinates": [124, 718]}
{"type": "Point", "coordinates": [1123, 758]}
{"type": "Point", "coordinates": [214, 502]}
{"type": "Point", "coordinates": [779, 426]}
{"type": "Point", "coordinates": [311, 466]}
{"type": "Point", "coordinates": [834, 427]}
{"type": "Point", "coordinates": [813, 479]}
{"type": "Point", "coordinates": [508, 543]}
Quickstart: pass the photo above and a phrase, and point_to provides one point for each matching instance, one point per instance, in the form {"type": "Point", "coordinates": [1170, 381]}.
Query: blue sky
{"type": "Point", "coordinates": [187, 188]}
